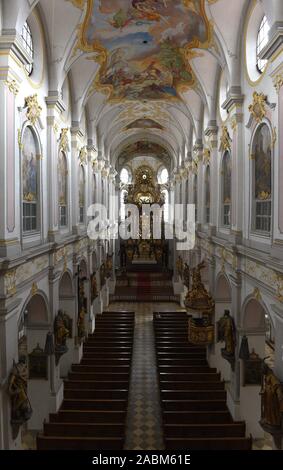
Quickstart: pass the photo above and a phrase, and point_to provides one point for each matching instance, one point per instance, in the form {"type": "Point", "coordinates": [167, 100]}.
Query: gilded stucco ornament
{"type": "Point", "coordinates": [64, 140]}
{"type": "Point", "coordinates": [257, 294]}
{"type": "Point", "coordinates": [34, 289]}
{"type": "Point", "coordinates": [258, 107]}
{"type": "Point", "coordinates": [225, 140]}
{"type": "Point", "coordinates": [83, 156]}
{"type": "Point", "coordinates": [33, 108]}
{"type": "Point", "coordinates": [10, 282]}
{"type": "Point", "coordinates": [206, 156]}
{"type": "Point", "coordinates": [13, 87]}
{"type": "Point", "coordinates": [278, 82]}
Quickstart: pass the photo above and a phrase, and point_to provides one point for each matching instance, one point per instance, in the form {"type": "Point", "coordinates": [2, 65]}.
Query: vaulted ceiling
{"type": "Point", "coordinates": [131, 61]}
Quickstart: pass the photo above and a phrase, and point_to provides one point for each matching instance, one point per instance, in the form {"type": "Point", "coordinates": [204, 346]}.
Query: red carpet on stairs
{"type": "Point", "coordinates": [144, 286]}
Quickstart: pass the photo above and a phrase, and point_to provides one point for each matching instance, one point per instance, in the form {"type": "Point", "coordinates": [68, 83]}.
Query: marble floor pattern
{"type": "Point", "coordinates": [144, 429]}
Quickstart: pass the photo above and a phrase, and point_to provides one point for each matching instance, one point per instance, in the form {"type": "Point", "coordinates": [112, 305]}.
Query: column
{"type": "Point", "coordinates": [10, 226]}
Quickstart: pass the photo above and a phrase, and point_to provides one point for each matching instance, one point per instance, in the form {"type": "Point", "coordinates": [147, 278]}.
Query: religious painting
{"type": "Point", "coordinates": [37, 364]}
{"type": "Point", "coordinates": [29, 167]}
{"type": "Point", "coordinates": [263, 166]}
{"type": "Point", "coordinates": [62, 179]}
{"type": "Point", "coordinates": [252, 371]}
{"type": "Point", "coordinates": [144, 148]}
{"type": "Point", "coordinates": [144, 124]}
{"type": "Point", "coordinates": [144, 47]}
{"type": "Point", "coordinates": [227, 178]}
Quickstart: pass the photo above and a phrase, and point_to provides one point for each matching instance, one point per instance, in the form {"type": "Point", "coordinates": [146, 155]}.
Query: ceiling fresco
{"type": "Point", "coordinates": [144, 47]}
{"type": "Point", "coordinates": [144, 148]}
{"type": "Point", "coordinates": [144, 124]}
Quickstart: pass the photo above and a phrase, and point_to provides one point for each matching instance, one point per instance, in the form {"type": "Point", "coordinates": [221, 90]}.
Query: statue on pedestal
{"type": "Point", "coordinates": [21, 410]}
{"type": "Point", "coordinates": [61, 333]}
{"type": "Point", "coordinates": [227, 333]}
{"type": "Point", "coordinates": [272, 400]}
{"type": "Point", "coordinates": [81, 323]}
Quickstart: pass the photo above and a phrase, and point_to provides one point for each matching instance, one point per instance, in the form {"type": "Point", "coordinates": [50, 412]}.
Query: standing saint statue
{"type": "Point", "coordinates": [21, 410]}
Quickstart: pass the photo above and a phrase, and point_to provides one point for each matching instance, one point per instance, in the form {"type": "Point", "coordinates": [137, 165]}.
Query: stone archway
{"type": "Point", "coordinates": [254, 314]}
{"type": "Point", "coordinates": [33, 326]}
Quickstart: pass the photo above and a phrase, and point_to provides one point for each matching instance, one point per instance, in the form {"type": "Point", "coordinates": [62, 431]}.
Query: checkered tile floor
{"type": "Point", "coordinates": [144, 430]}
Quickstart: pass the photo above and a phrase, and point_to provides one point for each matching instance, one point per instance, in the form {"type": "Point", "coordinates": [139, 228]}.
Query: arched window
{"type": "Point", "coordinates": [262, 40]}
{"type": "Point", "coordinates": [207, 195]}
{"type": "Point", "coordinates": [262, 176]}
{"type": "Point", "coordinates": [82, 195]}
{"type": "Point", "coordinates": [63, 189]}
{"type": "Point", "coordinates": [166, 205]}
{"type": "Point", "coordinates": [226, 189]}
{"type": "Point", "coordinates": [30, 182]}
{"type": "Point", "coordinates": [28, 46]}
{"type": "Point", "coordinates": [123, 195]}
{"type": "Point", "coordinates": [196, 196]}
{"type": "Point", "coordinates": [125, 176]}
{"type": "Point", "coordinates": [163, 176]}
{"type": "Point", "coordinates": [94, 190]}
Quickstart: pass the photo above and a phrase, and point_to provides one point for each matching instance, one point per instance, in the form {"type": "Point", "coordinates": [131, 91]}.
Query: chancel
{"type": "Point", "coordinates": [162, 328]}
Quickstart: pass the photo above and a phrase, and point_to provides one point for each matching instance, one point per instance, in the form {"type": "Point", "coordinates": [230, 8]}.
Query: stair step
{"type": "Point", "coordinates": [212, 443]}
{"type": "Point", "coordinates": [79, 443]}
{"type": "Point", "coordinates": [94, 405]}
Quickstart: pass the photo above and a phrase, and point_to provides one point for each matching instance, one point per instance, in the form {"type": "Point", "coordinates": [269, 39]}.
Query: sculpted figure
{"type": "Point", "coordinates": [20, 404]}
{"type": "Point", "coordinates": [272, 400]}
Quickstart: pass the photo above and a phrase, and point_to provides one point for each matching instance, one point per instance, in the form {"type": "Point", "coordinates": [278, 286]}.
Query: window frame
{"type": "Point", "coordinates": [28, 44]}
{"type": "Point", "coordinates": [261, 41]}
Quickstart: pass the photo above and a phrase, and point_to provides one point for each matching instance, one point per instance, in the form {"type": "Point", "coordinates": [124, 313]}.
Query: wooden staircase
{"type": "Point", "coordinates": [94, 409]}
{"type": "Point", "coordinates": [193, 397]}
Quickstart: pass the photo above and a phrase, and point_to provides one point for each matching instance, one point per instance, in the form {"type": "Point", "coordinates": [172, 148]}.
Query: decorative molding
{"type": "Point", "coordinates": [13, 87]}
{"type": "Point", "coordinates": [33, 108]}
{"type": "Point", "coordinates": [20, 143]}
{"type": "Point", "coordinates": [258, 108]}
{"type": "Point", "coordinates": [10, 282]}
{"type": "Point", "coordinates": [274, 136]}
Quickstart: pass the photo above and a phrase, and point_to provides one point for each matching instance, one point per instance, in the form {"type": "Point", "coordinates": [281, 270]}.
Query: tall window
{"type": "Point", "coordinates": [163, 176]}
{"type": "Point", "coordinates": [262, 40]}
{"type": "Point", "coordinates": [262, 175]}
{"type": "Point", "coordinates": [196, 197]}
{"type": "Point", "coordinates": [81, 195]}
{"type": "Point", "coordinates": [28, 45]}
{"type": "Point", "coordinates": [123, 195]}
{"type": "Point", "coordinates": [30, 173]}
{"type": "Point", "coordinates": [94, 190]}
{"type": "Point", "coordinates": [63, 190]}
{"type": "Point", "coordinates": [227, 189]}
{"type": "Point", "coordinates": [125, 176]}
{"type": "Point", "coordinates": [207, 195]}
{"type": "Point", "coordinates": [166, 205]}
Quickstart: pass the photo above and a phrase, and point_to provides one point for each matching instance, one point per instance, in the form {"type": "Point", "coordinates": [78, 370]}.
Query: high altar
{"type": "Point", "coordinates": [146, 191]}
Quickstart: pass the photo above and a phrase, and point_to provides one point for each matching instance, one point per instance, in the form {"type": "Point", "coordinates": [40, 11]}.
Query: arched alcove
{"type": "Point", "coordinates": [254, 315]}
{"type": "Point", "coordinates": [223, 292]}
{"type": "Point", "coordinates": [66, 285]}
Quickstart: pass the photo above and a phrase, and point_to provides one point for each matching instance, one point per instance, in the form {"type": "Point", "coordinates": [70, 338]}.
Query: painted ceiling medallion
{"type": "Point", "coordinates": [144, 47]}
{"type": "Point", "coordinates": [144, 124]}
{"type": "Point", "coordinates": [144, 148]}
